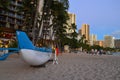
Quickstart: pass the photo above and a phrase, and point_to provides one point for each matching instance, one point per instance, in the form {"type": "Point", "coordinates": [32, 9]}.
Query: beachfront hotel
{"type": "Point", "coordinates": [85, 31]}
{"type": "Point", "coordinates": [117, 43]}
{"type": "Point", "coordinates": [108, 41]}
{"type": "Point", "coordinates": [93, 38]}
{"type": "Point", "coordinates": [12, 18]}
{"type": "Point", "coordinates": [72, 20]}
{"type": "Point", "coordinates": [99, 43]}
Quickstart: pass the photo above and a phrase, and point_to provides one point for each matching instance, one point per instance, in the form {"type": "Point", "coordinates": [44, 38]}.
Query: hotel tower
{"type": "Point", "coordinates": [72, 20]}
{"type": "Point", "coordinates": [85, 31]}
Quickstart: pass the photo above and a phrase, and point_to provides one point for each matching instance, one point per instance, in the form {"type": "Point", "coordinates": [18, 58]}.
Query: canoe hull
{"type": "Point", "coordinates": [34, 57]}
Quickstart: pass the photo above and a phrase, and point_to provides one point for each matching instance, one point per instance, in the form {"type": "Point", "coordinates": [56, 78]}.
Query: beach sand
{"type": "Point", "coordinates": [71, 67]}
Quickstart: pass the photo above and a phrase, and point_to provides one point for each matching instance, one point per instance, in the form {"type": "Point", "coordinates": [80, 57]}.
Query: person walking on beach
{"type": "Point", "coordinates": [55, 61]}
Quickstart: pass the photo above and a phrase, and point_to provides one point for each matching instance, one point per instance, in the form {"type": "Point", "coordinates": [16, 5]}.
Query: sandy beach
{"type": "Point", "coordinates": [71, 67]}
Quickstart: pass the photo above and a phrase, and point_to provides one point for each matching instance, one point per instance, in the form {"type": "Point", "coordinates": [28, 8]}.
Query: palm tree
{"type": "Point", "coordinates": [73, 42]}
{"type": "Point", "coordinates": [74, 33]}
{"type": "Point", "coordinates": [65, 3]}
{"type": "Point", "coordinates": [28, 10]}
{"type": "Point", "coordinates": [82, 40]}
{"type": "Point", "coordinates": [57, 10]}
{"type": "Point", "coordinates": [4, 4]}
{"type": "Point", "coordinates": [83, 43]}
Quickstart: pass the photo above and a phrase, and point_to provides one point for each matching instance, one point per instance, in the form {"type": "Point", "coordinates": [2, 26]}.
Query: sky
{"type": "Point", "coordinates": [103, 16]}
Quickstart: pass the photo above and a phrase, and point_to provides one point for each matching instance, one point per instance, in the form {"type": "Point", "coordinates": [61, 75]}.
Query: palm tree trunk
{"type": "Point", "coordinates": [48, 3]}
{"type": "Point", "coordinates": [35, 21]}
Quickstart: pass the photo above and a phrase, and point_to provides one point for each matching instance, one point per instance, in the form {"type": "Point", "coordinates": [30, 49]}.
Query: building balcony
{"type": "Point", "coordinates": [13, 10]}
{"type": "Point", "coordinates": [2, 18]}
{"type": "Point", "coordinates": [13, 3]}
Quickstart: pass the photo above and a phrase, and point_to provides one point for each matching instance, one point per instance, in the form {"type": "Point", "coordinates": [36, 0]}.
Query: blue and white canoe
{"type": "Point", "coordinates": [31, 54]}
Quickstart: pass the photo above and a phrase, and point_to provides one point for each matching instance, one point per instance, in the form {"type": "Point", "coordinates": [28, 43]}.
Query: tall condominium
{"type": "Point", "coordinates": [72, 20]}
{"type": "Point", "coordinates": [117, 43]}
{"type": "Point", "coordinates": [85, 31]}
{"type": "Point", "coordinates": [108, 41]}
{"type": "Point", "coordinates": [99, 42]}
{"type": "Point", "coordinates": [11, 18]}
{"type": "Point", "coordinates": [93, 38]}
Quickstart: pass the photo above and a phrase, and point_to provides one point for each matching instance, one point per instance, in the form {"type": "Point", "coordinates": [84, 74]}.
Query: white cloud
{"type": "Point", "coordinates": [116, 34]}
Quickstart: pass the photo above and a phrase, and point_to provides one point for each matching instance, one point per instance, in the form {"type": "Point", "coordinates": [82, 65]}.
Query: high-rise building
{"type": "Point", "coordinates": [93, 38]}
{"type": "Point", "coordinates": [72, 20]}
{"type": "Point", "coordinates": [108, 41]}
{"type": "Point", "coordinates": [117, 43]}
{"type": "Point", "coordinates": [11, 18]}
{"type": "Point", "coordinates": [98, 42]}
{"type": "Point", "coordinates": [85, 31]}
{"type": "Point", "coordinates": [80, 32]}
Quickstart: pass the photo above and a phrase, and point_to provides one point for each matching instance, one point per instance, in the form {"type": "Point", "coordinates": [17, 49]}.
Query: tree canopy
{"type": "Point", "coordinates": [4, 4]}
